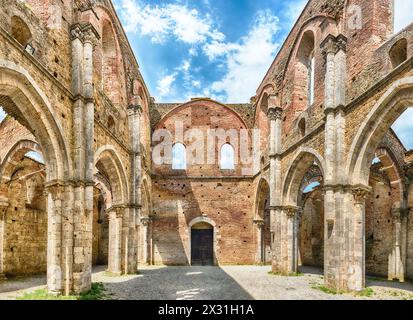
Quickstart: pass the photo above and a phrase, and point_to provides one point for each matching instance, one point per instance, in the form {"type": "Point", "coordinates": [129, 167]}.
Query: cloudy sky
{"type": "Point", "coordinates": [218, 48]}
{"type": "Point", "coordinates": [206, 48]}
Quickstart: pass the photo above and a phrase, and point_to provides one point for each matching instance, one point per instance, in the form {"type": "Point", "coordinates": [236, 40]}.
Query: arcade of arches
{"type": "Point", "coordinates": [331, 186]}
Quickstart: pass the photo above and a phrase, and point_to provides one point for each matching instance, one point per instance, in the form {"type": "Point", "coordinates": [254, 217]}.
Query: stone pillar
{"type": "Point", "coordinates": [357, 267]}
{"type": "Point", "coordinates": [115, 217]}
{"type": "Point", "coordinates": [396, 265]}
{"type": "Point", "coordinates": [134, 114]}
{"type": "Point", "coordinates": [146, 245]}
{"type": "Point", "coordinates": [55, 193]}
{"type": "Point", "coordinates": [275, 114]}
{"type": "Point", "coordinates": [83, 37]}
{"type": "Point", "coordinates": [260, 257]}
{"type": "Point", "coordinates": [344, 204]}
{"type": "Point", "coordinates": [89, 38]}
{"type": "Point", "coordinates": [289, 241]}
{"type": "Point", "coordinates": [3, 209]}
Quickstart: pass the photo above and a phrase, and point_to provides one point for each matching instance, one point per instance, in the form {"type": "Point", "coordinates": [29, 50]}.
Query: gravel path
{"type": "Point", "coordinates": [206, 283]}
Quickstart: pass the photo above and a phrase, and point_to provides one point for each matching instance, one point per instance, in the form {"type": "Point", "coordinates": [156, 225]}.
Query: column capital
{"type": "Point", "coordinates": [90, 35]}
{"type": "Point", "coordinates": [332, 44]}
{"type": "Point", "coordinates": [275, 113]}
{"type": "Point", "coordinates": [360, 193]}
{"type": "Point", "coordinates": [76, 33]}
{"type": "Point", "coordinates": [4, 204]}
{"type": "Point", "coordinates": [135, 109]}
{"type": "Point", "coordinates": [55, 189]}
{"type": "Point", "coordinates": [145, 221]}
{"type": "Point", "coordinates": [84, 33]}
{"type": "Point", "coordinates": [291, 211]}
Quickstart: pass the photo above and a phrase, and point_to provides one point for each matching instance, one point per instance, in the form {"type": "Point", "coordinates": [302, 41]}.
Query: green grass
{"type": "Point", "coordinates": [367, 292]}
{"type": "Point", "coordinates": [326, 290]}
{"type": "Point", "coordinates": [97, 292]}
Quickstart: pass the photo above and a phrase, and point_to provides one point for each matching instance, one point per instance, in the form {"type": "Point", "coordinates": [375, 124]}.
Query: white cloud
{"type": "Point", "coordinates": [248, 60]}
{"type": "Point", "coordinates": [294, 9]}
{"type": "Point", "coordinates": [186, 65]}
{"type": "Point", "coordinates": [164, 85]}
{"type": "Point", "coordinates": [196, 84]}
{"type": "Point", "coordinates": [404, 128]}
{"type": "Point", "coordinates": [163, 21]}
{"type": "Point", "coordinates": [403, 14]}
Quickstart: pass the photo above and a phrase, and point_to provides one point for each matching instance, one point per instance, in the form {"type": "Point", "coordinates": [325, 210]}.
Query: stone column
{"type": "Point", "coordinates": [145, 227]}
{"type": "Point", "coordinates": [289, 243]}
{"type": "Point", "coordinates": [396, 266]}
{"type": "Point", "coordinates": [55, 274]}
{"type": "Point", "coordinates": [260, 257]}
{"type": "Point", "coordinates": [357, 268]}
{"type": "Point", "coordinates": [90, 36]}
{"type": "Point", "coordinates": [134, 114]}
{"type": "Point", "coordinates": [344, 210]}
{"type": "Point", "coordinates": [77, 38]}
{"type": "Point", "coordinates": [83, 37]}
{"type": "Point", "coordinates": [115, 217]}
{"type": "Point", "coordinates": [3, 209]}
{"type": "Point", "coordinates": [275, 114]}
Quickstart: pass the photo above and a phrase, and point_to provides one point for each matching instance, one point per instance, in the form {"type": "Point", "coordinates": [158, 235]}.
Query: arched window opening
{"type": "Point", "coordinates": [110, 64]}
{"type": "Point", "coordinates": [227, 159]}
{"type": "Point", "coordinates": [311, 187]}
{"type": "Point", "coordinates": [264, 103]}
{"type": "Point", "coordinates": [302, 127]}
{"type": "Point", "coordinates": [398, 53]}
{"type": "Point", "coordinates": [36, 156]}
{"type": "Point", "coordinates": [178, 157]}
{"type": "Point", "coordinates": [2, 114]}
{"type": "Point", "coordinates": [20, 31]}
{"type": "Point", "coordinates": [403, 128]}
{"type": "Point", "coordinates": [311, 78]}
{"type": "Point", "coordinates": [304, 87]}
{"type": "Point", "coordinates": [111, 123]}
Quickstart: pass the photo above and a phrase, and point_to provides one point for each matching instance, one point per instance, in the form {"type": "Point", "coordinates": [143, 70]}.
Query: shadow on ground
{"type": "Point", "coordinates": [177, 283]}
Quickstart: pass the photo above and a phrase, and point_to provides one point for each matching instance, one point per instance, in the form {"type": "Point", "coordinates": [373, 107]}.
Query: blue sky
{"type": "Point", "coordinates": [218, 48]}
{"type": "Point", "coordinates": [206, 48]}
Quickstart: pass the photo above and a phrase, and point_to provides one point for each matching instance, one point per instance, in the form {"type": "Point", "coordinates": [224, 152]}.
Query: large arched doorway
{"type": "Point", "coordinates": [301, 226]}
{"type": "Point", "coordinates": [202, 244]}
{"type": "Point", "coordinates": [385, 211]}
{"type": "Point", "coordinates": [117, 224]}
{"type": "Point", "coordinates": [22, 99]}
{"type": "Point", "coordinates": [262, 224]}
{"type": "Point", "coordinates": [310, 231]}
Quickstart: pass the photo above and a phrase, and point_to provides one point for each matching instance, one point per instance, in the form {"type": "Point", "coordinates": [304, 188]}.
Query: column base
{"type": "Point", "coordinates": [114, 273]}
{"type": "Point", "coordinates": [3, 277]}
{"type": "Point", "coordinates": [54, 293]}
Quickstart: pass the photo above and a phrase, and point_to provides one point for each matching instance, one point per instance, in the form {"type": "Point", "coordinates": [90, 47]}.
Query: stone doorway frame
{"type": "Point", "coordinates": [214, 240]}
